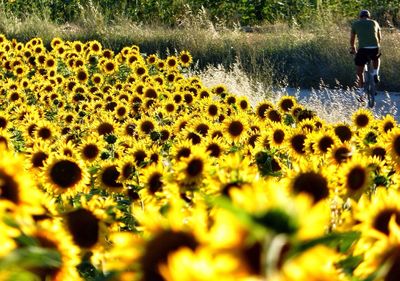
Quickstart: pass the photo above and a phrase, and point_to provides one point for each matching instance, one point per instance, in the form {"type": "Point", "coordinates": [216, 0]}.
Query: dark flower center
{"type": "Point", "coordinates": [356, 178]}
{"type": "Point", "coordinates": [195, 167]}
{"type": "Point", "coordinates": [297, 143]}
{"type": "Point", "coordinates": [342, 154]}
{"type": "Point", "coordinates": [84, 227]}
{"type": "Point", "coordinates": [325, 143]}
{"type": "Point", "coordinates": [381, 221]}
{"type": "Point", "coordinates": [235, 128]}
{"type": "Point", "coordinates": [312, 184]}
{"type": "Point", "coordinates": [105, 128]}
{"type": "Point", "coordinates": [343, 132]}
{"type": "Point", "coordinates": [110, 176]}
{"type": "Point", "coordinates": [214, 149]}
{"type": "Point", "coordinates": [155, 182]}
{"type": "Point", "coordinates": [65, 173]}
{"type": "Point", "coordinates": [90, 151]}
{"type": "Point", "coordinates": [278, 136]}
{"type": "Point", "coordinates": [362, 120]}
{"type": "Point", "coordinates": [158, 250]}
{"type": "Point", "coordinates": [8, 188]}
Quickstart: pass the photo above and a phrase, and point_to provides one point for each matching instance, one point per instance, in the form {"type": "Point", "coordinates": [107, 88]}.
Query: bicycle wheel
{"type": "Point", "coordinates": [371, 92]}
{"type": "Point", "coordinates": [370, 87]}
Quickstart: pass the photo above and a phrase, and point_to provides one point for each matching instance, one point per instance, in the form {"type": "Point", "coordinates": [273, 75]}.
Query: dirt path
{"type": "Point", "coordinates": [337, 105]}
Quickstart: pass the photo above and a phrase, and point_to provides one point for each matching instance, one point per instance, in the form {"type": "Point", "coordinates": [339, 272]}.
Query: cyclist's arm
{"type": "Point", "coordinates": [352, 42]}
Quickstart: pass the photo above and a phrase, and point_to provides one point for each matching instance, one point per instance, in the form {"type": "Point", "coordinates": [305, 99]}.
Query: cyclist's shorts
{"type": "Point", "coordinates": [363, 55]}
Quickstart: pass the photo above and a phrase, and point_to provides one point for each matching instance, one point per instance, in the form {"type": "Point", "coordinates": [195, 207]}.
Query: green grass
{"type": "Point", "coordinates": [273, 54]}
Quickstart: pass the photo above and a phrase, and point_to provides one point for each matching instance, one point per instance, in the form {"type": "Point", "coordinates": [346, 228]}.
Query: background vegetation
{"type": "Point", "coordinates": [296, 43]}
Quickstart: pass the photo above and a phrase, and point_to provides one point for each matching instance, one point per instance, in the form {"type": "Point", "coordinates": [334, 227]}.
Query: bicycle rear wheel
{"type": "Point", "coordinates": [371, 93]}
{"type": "Point", "coordinates": [370, 87]}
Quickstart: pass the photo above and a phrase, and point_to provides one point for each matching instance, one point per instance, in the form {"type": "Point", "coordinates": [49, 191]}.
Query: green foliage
{"type": "Point", "coordinates": [245, 12]}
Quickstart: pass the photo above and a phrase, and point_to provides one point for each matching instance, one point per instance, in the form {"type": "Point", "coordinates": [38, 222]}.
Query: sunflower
{"type": "Point", "coordinates": [362, 118]}
{"type": "Point", "coordinates": [378, 151]}
{"type": "Point", "coordinates": [171, 62]}
{"type": "Point", "coordinates": [355, 177]}
{"type": "Point", "coordinates": [146, 255]}
{"type": "Point", "coordinates": [181, 149]}
{"type": "Point", "coordinates": [154, 179]}
{"type": "Point", "coordinates": [77, 46]}
{"type": "Point", "coordinates": [296, 143]}
{"type": "Point", "coordinates": [274, 115]}
{"type": "Point", "coordinates": [146, 125]}
{"type": "Point", "coordinates": [286, 103]}
{"type": "Point", "coordinates": [66, 148]}
{"type": "Point", "coordinates": [235, 127]}
{"type": "Point", "coordinates": [343, 132]}
{"type": "Point", "coordinates": [150, 92]}
{"type": "Point", "coordinates": [56, 41]}
{"type": "Point", "coordinates": [310, 180]}
{"type": "Point", "coordinates": [220, 90]}
{"type": "Point", "coordinates": [262, 108]}
{"type": "Point", "coordinates": [322, 141]}
{"type": "Point", "coordinates": [50, 235]}
{"type": "Point", "coordinates": [212, 109]}
{"type": "Point", "coordinates": [387, 124]}
{"type": "Point", "coordinates": [152, 59]}
{"type": "Point", "coordinates": [374, 214]}
{"type": "Point", "coordinates": [109, 66]}
{"type": "Point", "coordinates": [121, 111]}
{"type": "Point", "coordinates": [45, 130]}
{"type": "Point", "coordinates": [340, 153]}
{"type": "Point", "coordinates": [16, 186]}
{"type": "Point", "coordinates": [185, 58]}
{"type": "Point", "coordinates": [127, 171]}
{"type": "Point", "coordinates": [106, 126]}
{"type": "Point", "coordinates": [90, 148]}
{"type": "Point", "coordinates": [393, 146]}
{"type": "Point", "coordinates": [169, 107]}
{"type": "Point", "coordinates": [95, 47]}
{"type": "Point", "coordinates": [82, 75]}
{"type": "Point", "coordinates": [89, 224]}
{"type": "Point", "coordinates": [108, 177]}
{"type": "Point", "coordinates": [64, 175]}
{"type": "Point", "coordinates": [140, 70]}
{"type": "Point", "coordinates": [317, 263]}
{"type": "Point", "coordinates": [139, 153]}
{"type": "Point", "coordinates": [379, 243]}
{"type": "Point", "coordinates": [215, 147]}
{"type": "Point", "coordinates": [243, 103]}
{"type": "Point", "coordinates": [20, 71]}
{"type": "Point", "coordinates": [132, 59]}
{"type": "Point", "coordinates": [277, 135]}
{"type": "Point", "coordinates": [50, 62]}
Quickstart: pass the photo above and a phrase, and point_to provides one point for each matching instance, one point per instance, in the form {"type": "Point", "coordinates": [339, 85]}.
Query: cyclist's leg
{"type": "Point", "coordinates": [376, 61]}
{"type": "Point", "coordinates": [360, 60]}
{"type": "Point", "coordinates": [360, 76]}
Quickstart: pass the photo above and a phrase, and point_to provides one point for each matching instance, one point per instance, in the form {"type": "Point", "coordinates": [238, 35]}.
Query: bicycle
{"type": "Point", "coordinates": [369, 82]}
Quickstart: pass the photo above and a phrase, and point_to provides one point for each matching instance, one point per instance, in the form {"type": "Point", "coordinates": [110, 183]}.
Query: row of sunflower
{"type": "Point", "coordinates": [121, 166]}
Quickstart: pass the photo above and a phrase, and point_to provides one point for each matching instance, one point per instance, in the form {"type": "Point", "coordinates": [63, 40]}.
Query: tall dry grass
{"type": "Point", "coordinates": [272, 54]}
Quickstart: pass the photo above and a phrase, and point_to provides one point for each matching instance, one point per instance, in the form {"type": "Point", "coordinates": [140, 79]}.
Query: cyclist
{"type": "Point", "coordinates": [368, 33]}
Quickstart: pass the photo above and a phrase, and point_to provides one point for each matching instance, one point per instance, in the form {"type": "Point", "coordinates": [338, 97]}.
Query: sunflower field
{"type": "Point", "coordinates": [123, 166]}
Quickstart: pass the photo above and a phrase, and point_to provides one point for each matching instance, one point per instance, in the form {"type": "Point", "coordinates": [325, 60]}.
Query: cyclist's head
{"type": "Point", "coordinates": [365, 14]}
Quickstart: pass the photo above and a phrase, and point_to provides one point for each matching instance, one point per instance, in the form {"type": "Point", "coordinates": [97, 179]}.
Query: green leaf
{"type": "Point", "coordinates": [341, 241]}
{"type": "Point", "coordinates": [277, 220]}
{"type": "Point", "coordinates": [31, 256]}
{"type": "Point", "coordinates": [350, 263]}
{"type": "Point", "coordinates": [240, 215]}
